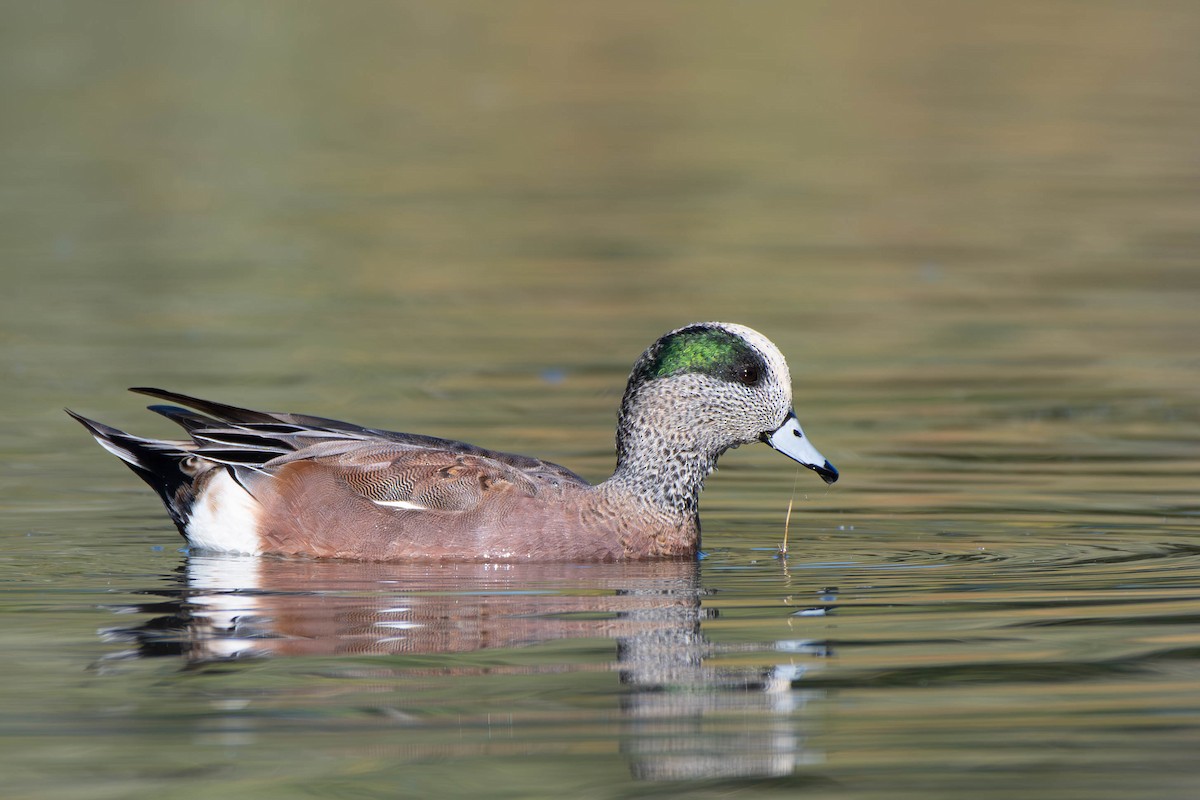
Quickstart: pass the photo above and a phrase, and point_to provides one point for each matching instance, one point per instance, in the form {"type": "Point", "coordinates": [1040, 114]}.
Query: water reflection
{"type": "Point", "coordinates": [679, 717]}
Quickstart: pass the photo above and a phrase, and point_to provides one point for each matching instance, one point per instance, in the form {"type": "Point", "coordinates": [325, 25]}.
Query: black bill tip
{"type": "Point", "coordinates": [827, 471]}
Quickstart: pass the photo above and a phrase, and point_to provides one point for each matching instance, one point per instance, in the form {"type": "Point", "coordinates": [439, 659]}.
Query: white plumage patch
{"type": "Point", "coordinates": [225, 518]}
{"type": "Point", "coordinates": [405, 504]}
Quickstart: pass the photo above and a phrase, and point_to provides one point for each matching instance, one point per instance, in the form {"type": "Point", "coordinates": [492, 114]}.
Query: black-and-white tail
{"type": "Point", "coordinates": [159, 463]}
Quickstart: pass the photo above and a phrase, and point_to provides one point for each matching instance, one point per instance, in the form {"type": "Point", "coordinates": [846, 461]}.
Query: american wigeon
{"type": "Point", "coordinates": [257, 482]}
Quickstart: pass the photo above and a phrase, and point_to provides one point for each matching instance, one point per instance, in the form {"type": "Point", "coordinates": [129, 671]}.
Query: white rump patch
{"type": "Point", "coordinates": [225, 518]}
{"type": "Point", "coordinates": [407, 505]}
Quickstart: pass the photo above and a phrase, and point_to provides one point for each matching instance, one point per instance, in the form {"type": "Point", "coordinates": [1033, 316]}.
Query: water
{"type": "Point", "coordinates": [972, 230]}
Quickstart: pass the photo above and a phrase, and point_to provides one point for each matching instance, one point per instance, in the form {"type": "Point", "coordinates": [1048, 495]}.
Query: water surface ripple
{"type": "Point", "coordinates": [971, 227]}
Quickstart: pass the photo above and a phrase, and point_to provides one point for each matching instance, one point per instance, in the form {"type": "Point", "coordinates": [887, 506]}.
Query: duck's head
{"type": "Point", "coordinates": [705, 388]}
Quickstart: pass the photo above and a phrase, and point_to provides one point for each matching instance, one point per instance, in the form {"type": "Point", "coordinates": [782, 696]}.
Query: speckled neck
{"type": "Point", "coordinates": [664, 478]}
{"type": "Point", "coordinates": [663, 456]}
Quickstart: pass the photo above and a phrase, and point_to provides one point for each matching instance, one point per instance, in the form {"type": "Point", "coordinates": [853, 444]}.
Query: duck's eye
{"type": "Point", "coordinates": [747, 374]}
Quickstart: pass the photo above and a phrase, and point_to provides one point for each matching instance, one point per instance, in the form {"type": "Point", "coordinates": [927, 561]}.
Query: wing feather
{"type": "Point", "coordinates": [393, 469]}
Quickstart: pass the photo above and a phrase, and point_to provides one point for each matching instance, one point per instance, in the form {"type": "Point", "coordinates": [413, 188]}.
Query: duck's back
{"type": "Point", "coordinates": [266, 482]}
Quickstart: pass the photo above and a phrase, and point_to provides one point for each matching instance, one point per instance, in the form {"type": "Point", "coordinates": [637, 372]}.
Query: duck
{"type": "Point", "coordinates": [264, 483]}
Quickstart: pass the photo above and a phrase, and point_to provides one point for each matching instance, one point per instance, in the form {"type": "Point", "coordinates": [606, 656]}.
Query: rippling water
{"type": "Point", "coordinates": [972, 230]}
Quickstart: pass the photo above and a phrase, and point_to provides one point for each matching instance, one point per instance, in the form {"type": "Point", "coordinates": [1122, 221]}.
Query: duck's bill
{"type": "Point", "coordinates": [790, 440]}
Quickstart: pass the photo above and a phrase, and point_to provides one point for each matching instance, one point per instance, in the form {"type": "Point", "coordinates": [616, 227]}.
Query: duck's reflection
{"type": "Point", "coordinates": [680, 718]}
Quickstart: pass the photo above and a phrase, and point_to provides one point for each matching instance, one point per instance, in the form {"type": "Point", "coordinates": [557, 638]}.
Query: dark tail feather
{"type": "Point", "coordinates": [234, 415]}
{"type": "Point", "coordinates": [185, 418]}
{"type": "Point", "coordinates": [219, 410]}
{"type": "Point", "coordinates": [158, 463]}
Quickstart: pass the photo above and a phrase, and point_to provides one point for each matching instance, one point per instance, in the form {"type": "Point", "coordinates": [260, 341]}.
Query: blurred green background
{"type": "Point", "coordinates": [346, 204]}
